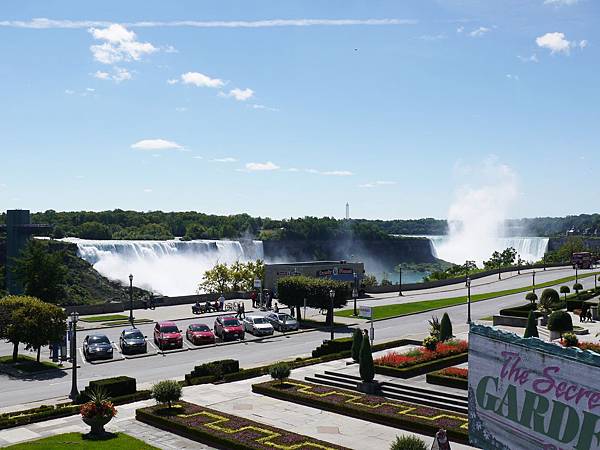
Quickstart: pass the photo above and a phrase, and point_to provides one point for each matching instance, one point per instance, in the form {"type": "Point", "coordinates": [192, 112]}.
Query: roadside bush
{"type": "Point", "coordinates": [280, 371]}
{"type": "Point", "coordinates": [167, 391]}
{"type": "Point", "coordinates": [548, 298]}
{"type": "Point", "coordinates": [565, 290]}
{"type": "Point", "coordinates": [430, 343]}
{"type": "Point", "coordinates": [531, 330]}
{"type": "Point", "coordinates": [531, 297]}
{"type": "Point", "coordinates": [577, 287]}
{"type": "Point", "coordinates": [335, 346]}
{"type": "Point", "coordinates": [366, 366]}
{"type": "Point", "coordinates": [445, 328]}
{"type": "Point", "coordinates": [215, 369]}
{"type": "Point", "coordinates": [114, 387]}
{"type": "Point", "coordinates": [520, 311]}
{"type": "Point", "coordinates": [570, 340]}
{"type": "Point", "coordinates": [434, 326]}
{"type": "Point", "coordinates": [408, 442]}
{"type": "Point", "coordinates": [356, 344]}
{"type": "Point", "coordinates": [560, 321]}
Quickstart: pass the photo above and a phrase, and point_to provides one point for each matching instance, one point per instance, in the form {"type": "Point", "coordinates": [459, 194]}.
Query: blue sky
{"type": "Point", "coordinates": [294, 108]}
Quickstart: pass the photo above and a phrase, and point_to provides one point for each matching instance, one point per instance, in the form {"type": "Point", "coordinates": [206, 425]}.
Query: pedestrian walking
{"type": "Point", "coordinates": [242, 311]}
{"type": "Point", "coordinates": [253, 296]}
{"type": "Point", "coordinates": [276, 308]}
{"type": "Point", "coordinates": [588, 315]}
{"type": "Point", "coordinates": [440, 441]}
{"type": "Point", "coordinates": [582, 315]}
{"type": "Point", "coordinates": [221, 302]}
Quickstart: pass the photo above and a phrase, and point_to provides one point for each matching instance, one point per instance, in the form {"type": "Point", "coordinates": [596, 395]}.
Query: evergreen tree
{"type": "Point", "coordinates": [357, 338]}
{"type": "Point", "coordinates": [366, 366]}
{"type": "Point", "coordinates": [445, 328]}
{"type": "Point", "coordinates": [531, 330]}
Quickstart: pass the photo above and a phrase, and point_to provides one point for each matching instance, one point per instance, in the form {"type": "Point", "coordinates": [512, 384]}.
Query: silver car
{"type": "Point", "coordinates": [257, 325]}
{"type": "Point", "coordinates": [282, 321]}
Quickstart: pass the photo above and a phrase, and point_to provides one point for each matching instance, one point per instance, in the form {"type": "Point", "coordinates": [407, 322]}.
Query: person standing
{"type": "Point", "coordinates": [221, 302]}
{"type": "Point", "coordinates": [276, 308]}
{"type": "Point", "coordinates": [440, 441]}
{"type": "Point", "coordinates": [253, 296]}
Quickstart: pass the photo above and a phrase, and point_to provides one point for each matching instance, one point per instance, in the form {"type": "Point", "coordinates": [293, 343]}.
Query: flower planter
{"type": "Point", "coordinates": [96, 424]}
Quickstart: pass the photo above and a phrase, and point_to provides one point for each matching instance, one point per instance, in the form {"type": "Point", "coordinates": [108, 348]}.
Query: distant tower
{"type": "Point", "coordinates": [347, 211]}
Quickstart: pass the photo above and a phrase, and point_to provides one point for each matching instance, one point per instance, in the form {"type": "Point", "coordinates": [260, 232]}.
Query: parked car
{"type": "Point", "coordinates": [257, 325]}
{"type": "Point", "coordinates": [133, 341]}
{"type": "Point", "coordinates": [227, 327]}
{"type": "Point", "coordinates": [282, 321]}
{"type": "Point", "coordinates": [167, 335]}
{"type": "Point", "coordinates": [97, 346]}
{"type": "Point", "coordinates": [199, 333]}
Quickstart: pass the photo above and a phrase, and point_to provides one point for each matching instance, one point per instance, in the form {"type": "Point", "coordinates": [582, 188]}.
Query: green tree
{"type": "Point", "coordinates": [280, 371]}
{"type": "Point", "coordinates": [565, 290]}
{"type": "Point", "coordinates": [357, 338]}
{"type": "Point", "coordinates": [167, 391]}
{"type": "Point", "coordinates": [445, 328]}
{"type": "Point", "coordinates": [577, 287]}
{"type": "Point", "coordinates": [548, 299]}
{"type": "Point", "coordinates": [531, 330]}
{"type": "Point", "coordinates": [94, 230]}
{"type": "Point", "coordinates": [41, 272]}
{"type": "Point", "coordinates": [531, 297]}
{"type": "Point", "coordinates": [366, 366]}
{"type": "Point", "coordinates": [216, 280]}
{"type": "Point", "coordinates": [42, 323]}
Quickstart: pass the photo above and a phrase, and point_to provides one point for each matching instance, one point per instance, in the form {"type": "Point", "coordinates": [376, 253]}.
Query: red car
{"type": "Point", "coordinates": [199, 333]}
{"type": "Point", "coordinates": [228, 328]}
{"type": "Point", "coordinates": [167, 335]}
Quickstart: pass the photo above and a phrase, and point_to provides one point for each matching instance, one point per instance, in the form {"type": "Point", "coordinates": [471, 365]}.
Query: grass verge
{"type": "Point", "coordinates": [28, 364]}
{"type": "Point", "coordinates": [116, 441]}
{"type": "Point", "coordinates": [403, 309]}
{"type": "Point", "coordinates": [106, 318]}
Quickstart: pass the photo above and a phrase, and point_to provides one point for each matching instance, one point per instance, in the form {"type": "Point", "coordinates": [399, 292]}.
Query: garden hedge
{"type": "Point", "coordinates": [215, 369]}
{"type": "Point", "coordinates": [443, 380]}
{"type": "Point", "coordinates": [114, 387]}
{"type": "Point", "coordinates": [335, 346]}
{"type": "Point", "coordinates": [425, 367]}
{"type": "Point", "coordinates": [520, 311]}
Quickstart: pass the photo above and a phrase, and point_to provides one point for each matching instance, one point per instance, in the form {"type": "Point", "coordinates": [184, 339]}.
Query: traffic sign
{"type": "Point", "coordinates": [365, 312]}
{"type": "Point", "coordinates": [257, 283]}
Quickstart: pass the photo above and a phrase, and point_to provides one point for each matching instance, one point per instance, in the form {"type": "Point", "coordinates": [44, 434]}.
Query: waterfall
{"type": "Point", "coordinates": [170, 267]}
{"type": "Point", "coordinates": [531, 249]}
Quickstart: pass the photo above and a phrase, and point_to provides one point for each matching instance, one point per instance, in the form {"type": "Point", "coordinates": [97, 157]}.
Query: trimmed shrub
{"type": "Point", "coordinates": [215, 369]}
{"type": "Point", "coordinates": [167, 391]}
{"type": "Point", "coordinates": [560, 321]}
{"type": "Point", "coordinates": [430, 343]}
{"type": "Point", "coordinates": [445, 328]}
{"type": "Point", "coordinates": [548, 298]}
{"type": "Point", "coordinates": [531, 330]}
{"type": "Point", "coordinates": [335, 346]}
{"type": "Point", "coordinates": [577, 287]}
{"type": "Point", "coordinates": [114, 387]}
{"type": "Point", "coordinates": [409, 442]}
{"type": "Point", "coordinates": [280, 371]}
{"type": "Point", "coordinates": [570, 340]}
{"type": "Point", "coordinates": [357, 337]}
{"type": "Point", "coordinates": [565, 290]}
{"type": "Point", "coordinates": [531, 297]}
{"type": "Point", "coordinates": [520, 311]}
{"type": "Point", "coordinates": [367, 368]}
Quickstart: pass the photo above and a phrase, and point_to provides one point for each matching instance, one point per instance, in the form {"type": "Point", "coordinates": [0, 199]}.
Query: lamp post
{"type": "Point", "coordinates": [533, 275]}
{"type": "Point", "coordinates": [331, 297]}
{"type": "Point", "coordinates": [576, 273]}
{"type": "Point", "coordinates": [499, 270]}
{"type": "Point", "coordinates": [131, 299]}
{"type": "Point", "coordinates": [355, 293]}
{"type": "Point", "coordinates": [400, 280]}
{"type": "Point", "coordinates": [544, 261]}
{"type": "Point", "coordinates": [468, 300]}
{"type": "Point", "coordinates": [73, 328]}
{"type": "Point", "coordinates": [518, 264]}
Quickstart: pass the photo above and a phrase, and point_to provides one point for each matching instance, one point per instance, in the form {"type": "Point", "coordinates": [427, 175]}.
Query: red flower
{"type": "Point", "coordinates": [443, 349]}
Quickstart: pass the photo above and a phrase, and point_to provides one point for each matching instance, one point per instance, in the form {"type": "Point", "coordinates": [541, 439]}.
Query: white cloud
{"type": "Point", "coordinates": [200, 80]}
{"type": "Point", "coordinates": [156, 144]}
{"type": "Point", "coordinates": [432, 37]}
{"type": "Point", "coordinates": [293, 169]}
{"type": "Point", "coordinates": [90, 89]}
{"type": "Point", "coordinates": [101, 75]}
{"type": "Point", "coordinates": [460, 29]}
{"type": "Point", "coordinates": [560, 2]}
{"type": "Point", "coordinates": [181, 109]}
{"type": "Point", "coordinates": [385, 183]}
{"type": "Point", "coordinates": [261, 166]}
{"type": "Point", "coordinates": [147, 190]}
{"type": "Point", "coordinates": [227, 159]}
{"type": "Point", "coordinates": [170, 49]}
{"type": "Point", "coordinates": [337, 173]}
{"type": "Point", "coordinates": [512, 77]}
{"type": "Point", "coordinates": [197, 157]}
{"type": "Point", "coordinates": [478, 32]}
{"type": "Point", "coordinates": [376, 184]}
{"type": "Point", "coordinates": [173, 81]}
{"type": "Point", "coordinates": [119, 74]}
{"type": "Point", "coordinates": [241, 95]}
{"type": "Point", "coordinates": [120, 45]}
{"type": "Point", "coordinates": [366, 185]}
{"type": "Point", "coordinates": [583, 43]}
{"type": "Point", "coordinates": [69, 91]}
{"type": "Point", "coordinates": [557, 43]}
{"type": "Point", "coordinates": [527, 59]}
{"type": "Point", "coordinates": [44, 23]}
{"type": "Point", "coordinates": [266, 108]}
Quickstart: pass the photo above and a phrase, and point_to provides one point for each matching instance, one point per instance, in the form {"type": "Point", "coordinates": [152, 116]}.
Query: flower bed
{"type": "Point", "coordinates": [589, 346]}
{"type": "Point", "coordinates": [454, 377]}
{"type": "Point", "coordinates": [225, 430]}
{"type": "Point", "coordinates": [404, 415]}
{"type": "Point", "coordinates": [420, 360]}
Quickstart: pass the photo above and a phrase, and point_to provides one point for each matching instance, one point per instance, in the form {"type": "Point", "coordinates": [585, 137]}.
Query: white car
{"type": "Point", "coordinates": [257, 325]}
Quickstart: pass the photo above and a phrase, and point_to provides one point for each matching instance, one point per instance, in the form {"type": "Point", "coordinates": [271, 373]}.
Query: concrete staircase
{"type": "Point", "coordinates": [398, 391]}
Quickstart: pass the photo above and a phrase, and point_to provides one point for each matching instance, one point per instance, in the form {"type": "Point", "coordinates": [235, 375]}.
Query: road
{"type": "Point", "coordinates": [250, 353]}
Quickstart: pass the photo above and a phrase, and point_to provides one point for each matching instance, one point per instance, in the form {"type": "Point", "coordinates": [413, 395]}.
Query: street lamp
{"type": "Point", "coordinates": [533, 275]}
{"type": "Point", "coordinates": [331, 297]}
{"type": "Point", "coordinates": [355, 292]}
{"type": "Point", "coordinates": [544, 260]}
{"type": "Point", "coordinates": [518, 264]}
{"type": "Point", "coordinates": [400, 280]}
{"type": "Point", "coordinates": [73, 328]}
{"type": "Point", "coordinates": [468, 300]}
{"type": "Point", "coordinates": [131, 299]}
{"type": "Point", "coordinates": [576, 273]}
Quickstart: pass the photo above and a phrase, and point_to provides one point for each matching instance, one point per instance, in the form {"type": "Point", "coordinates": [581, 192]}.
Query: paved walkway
{"type": "Point", "coordinates": [237, 399]}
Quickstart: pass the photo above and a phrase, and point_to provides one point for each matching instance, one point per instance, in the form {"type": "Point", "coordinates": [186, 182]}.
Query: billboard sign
{"type": "Point", "coordinates": [531, 394]}
{"type": "Point", "coordinates": [365, 311]}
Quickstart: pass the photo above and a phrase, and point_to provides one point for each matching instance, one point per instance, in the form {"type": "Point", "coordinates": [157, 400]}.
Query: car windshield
{"type": "Point", "coordinates": [231, 323]}
{"type": "Point", "coordinates": [136, 334]}
{"type": "Point", "coordinates": [285, 317]}
{"type": "Point", "coordinates": [98, 340]}
{"type": "Point", "coordinates": [260, 320]}
{"type": "Point", "coordinates": [169, 329]}
{"type": "Point", "coordinates": [198, 327]}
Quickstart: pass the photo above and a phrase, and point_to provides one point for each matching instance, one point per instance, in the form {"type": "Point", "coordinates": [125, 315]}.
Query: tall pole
{"type": "Point", "coordinates": [576, 273]}
{"type": "Point", "coordinates": [468, 300]}
{"type": "Point", "coordinates": [544, 260]}
{"type": "Point", "coordinates": [73, 327]}
{"type": "Point", "coordinates": [131, 299]}
{"type": "Point", "coordinates": [499, 273]}
{"type": "Point", "coordinates": [519, 265]}
{"type": "Point", "coordinates": [355, 293]}
{"type": "Point", "coordinates": [400, 280]}
{"type": "Point", "coordinates": [331, 297]}
{"type": "Point", "coordinates": [533, 274]}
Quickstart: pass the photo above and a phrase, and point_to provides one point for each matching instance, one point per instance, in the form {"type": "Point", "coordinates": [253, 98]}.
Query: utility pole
{"type": "Point", "coordinates": [131, 299]}
{"type": "Point", "coordinates": [73, 328]}
{"type": "Point", "coordinates": [468, 300]}
{"type": "Point", "coordinates": [400, 280]}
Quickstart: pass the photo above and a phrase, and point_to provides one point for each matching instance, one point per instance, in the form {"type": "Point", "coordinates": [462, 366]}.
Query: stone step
{"type": "Point", "coordinates": [438, 393]}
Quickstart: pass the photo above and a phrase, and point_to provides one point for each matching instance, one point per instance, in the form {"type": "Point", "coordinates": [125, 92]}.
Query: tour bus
{"type": "Point", "coordinates": [582, 260]}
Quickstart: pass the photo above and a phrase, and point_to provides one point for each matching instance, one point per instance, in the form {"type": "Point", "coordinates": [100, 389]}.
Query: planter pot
{"type": "Point", "coordinates": [371, 387]}
{"type": "Point", "coordinates": [96, 424]}
{"type": "Point", "coordinates": [554, 335]}
{"type": "Point", "coordinates": [544, 320]}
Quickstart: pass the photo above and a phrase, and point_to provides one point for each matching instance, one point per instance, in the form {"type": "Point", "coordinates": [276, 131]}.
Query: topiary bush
{"type": "Point", "coordinates": [167, 391]}
{"type": "Point", "coordinates": [280, 371]}
{"type": "Point", "coordinates": [577, 287]}
{"type": "Point", "coordinates": [445, 328]}
{"type": "Point", "coordinates": [357, 338]}
{"type": "Point", "coordinates": [430, 343]}
{"type": "Point", "coordinates": [531, 297]}
{"type": "Point", "coordinates": [570, 340]}
{"type": "Point", "coordinates": [548, 298]}
{"type": "Point", "coordinates": [531, 330]}
{"type": "Point", "coordinates": [565, 290]}
{"type": "Point", "coordinates": [366, 366]}
{"type": "Point", "coordinates": [409, 442]}
{"type": "Point", "coordinates": [560, 321]}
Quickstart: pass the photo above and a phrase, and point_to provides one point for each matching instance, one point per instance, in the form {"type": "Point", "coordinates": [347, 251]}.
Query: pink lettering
{"type": "Point", "coordinates": [545, 384]}
{"type": "Point", "coordinates": [513, 371]}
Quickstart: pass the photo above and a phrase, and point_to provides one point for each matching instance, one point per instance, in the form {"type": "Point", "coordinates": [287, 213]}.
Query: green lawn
{"type": "Point", "coordinates": [107, 318]}
{"type": "Point", "coordinates": [402, 309]}
{"type": "Point", "coordinates": [117, 441]}
{"type": "Point", "coordinates": [126, 322]}
{"type": "Point", "coordinates": [28, 364]}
